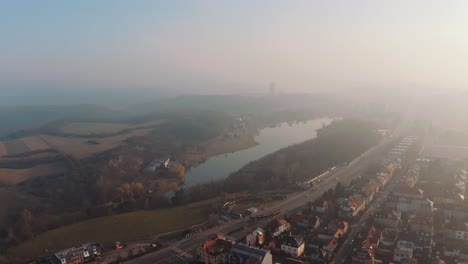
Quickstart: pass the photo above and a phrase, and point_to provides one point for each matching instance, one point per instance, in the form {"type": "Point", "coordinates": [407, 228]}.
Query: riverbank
{"type": "Point", "coordinates": [220, 146]}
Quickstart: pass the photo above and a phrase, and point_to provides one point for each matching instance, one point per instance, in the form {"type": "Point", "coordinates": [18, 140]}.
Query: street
{"type": "Point", "coordinates": [184, 250]}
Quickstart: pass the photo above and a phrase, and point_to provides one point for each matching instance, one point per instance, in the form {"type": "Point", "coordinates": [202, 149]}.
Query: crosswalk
{"type": "Point", "coordinates": [182, 253]}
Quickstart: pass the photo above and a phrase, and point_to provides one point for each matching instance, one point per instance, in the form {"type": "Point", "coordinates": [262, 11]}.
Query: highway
{"type": "Point", "coordinates": [183, 251]}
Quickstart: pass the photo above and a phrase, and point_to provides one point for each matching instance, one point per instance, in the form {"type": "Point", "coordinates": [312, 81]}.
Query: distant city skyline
{"type": "Point", "coordinates": [178, 47]}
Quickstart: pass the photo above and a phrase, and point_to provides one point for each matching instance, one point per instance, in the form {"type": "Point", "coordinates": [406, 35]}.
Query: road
{"type": "Point", "coordinates": [184, 250]}
{"type": "Point", "coordinates": [346, 248]}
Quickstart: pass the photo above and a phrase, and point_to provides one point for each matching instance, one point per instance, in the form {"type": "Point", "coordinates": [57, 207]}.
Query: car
{"type": "Point", "coordinates": [118, 245]}
{"type": "Point", "coordinates": [153, 245]}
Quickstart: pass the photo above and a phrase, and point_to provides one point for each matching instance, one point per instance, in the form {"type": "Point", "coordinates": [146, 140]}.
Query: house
{"type": "Point", "coordinates": [319, 206]}
{"type": "Point", "coordinates": [315, 254]}
{"type": "Point", "coordinates": [420, 223]}
{"type": "Point", "coordinates": [401, 254]}
{"type": "Point", "coordinates": [71, 256]}
{"type": "Point", "coordinates": [387, 218]}
{"type": "Point", "coordinates": [420, 242]}
{"type": "Point", "coordinates": [300, 220]}
{"type": "Point", "coordinates": [314, 222]}
{"type": "Point", "coordinates": [278, 226]}
{"type": "Point", "coordinates": [390, 169]}
{"type": "Point", "coordinates": [251, 211]}
{"type": "Point", "coordinates": [405, 204]}
{"type": "Point", "coordinates": [387, 241]}
{"type": "Point", "coordinates": [293, 245]}
{"type": "Point", "coordinates": [369, 190]}
{"type": "Point", "coordinates": [215, 250]}
{"type": "Point", "coordinates": [256, 237]}
{"type": "Point", "coordinates": [423, 244]}
{"type": "Point", "coordinates": [338, 227]}
{"type": "Point", "coordinates": [243, 254]}
{"type": "Point", "coordinates": [363, 255]}
{"type": "Point", "coordinates": [373, 236]}
{"type": "Point", "coordinates": [453, 212]}
{"type": "Point", "coordinates": [382, 179]}
{"type": "Point", "coordinates": [405, 191]}
{"type": "Point", "coordinates": [77, 255]}
{"type": "Point", "coordinates": [303, 221]}
{"type": "Point", "coordinates": [457, 231]}
{"type": "Point", "coordinates": [334, 229]}
{"type": "Point", "coordinates": [453, 248]}
{"type": "Point", "coordinates": [355, 205]}
{"type": "Point", "coordinates": [403, 251]}
{"type": "Point", "coordinates": [366, 253]}
{"type": "Point", "coordinates": [330, 245]}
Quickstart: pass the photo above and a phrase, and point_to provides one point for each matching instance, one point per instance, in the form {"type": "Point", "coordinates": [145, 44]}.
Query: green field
{"type": "Point", "coordinates": [15, 147]}
{"type": "Point", "coordinates": [123, 227]}
{"type": "Point", "coordinates": [85, 128]}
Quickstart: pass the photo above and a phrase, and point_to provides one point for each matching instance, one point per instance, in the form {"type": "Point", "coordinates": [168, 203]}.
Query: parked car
{"type": "Point", "coordinates": [118, 245]}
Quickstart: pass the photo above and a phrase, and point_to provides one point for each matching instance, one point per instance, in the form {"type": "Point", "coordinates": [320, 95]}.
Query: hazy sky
{"type": "Point", "coordinates": [232, 46]}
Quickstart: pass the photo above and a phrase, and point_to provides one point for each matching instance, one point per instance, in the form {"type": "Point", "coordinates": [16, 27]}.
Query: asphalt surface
{"type": "Point", "coordinates": [184, 250]}
{"type": "Point", "coordinates": [347, 247]}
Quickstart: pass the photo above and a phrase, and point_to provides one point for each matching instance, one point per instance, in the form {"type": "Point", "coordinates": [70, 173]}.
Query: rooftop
{"type": "Point", "coordinates": [251, 252]}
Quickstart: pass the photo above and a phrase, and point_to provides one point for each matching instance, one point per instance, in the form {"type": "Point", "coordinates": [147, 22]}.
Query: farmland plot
{"type": "Point", "coordinates": [15, 147]}
{"type": "Point", "coordinates": [35, 143]}
{"type": "Point", "coordinates": [3, 150]}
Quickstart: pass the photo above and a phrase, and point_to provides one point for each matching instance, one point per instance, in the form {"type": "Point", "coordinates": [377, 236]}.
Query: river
{"type": "Point", "coordinates": [269, 140]}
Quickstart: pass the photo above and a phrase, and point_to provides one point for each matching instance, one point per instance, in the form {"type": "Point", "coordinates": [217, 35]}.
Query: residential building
{"type": "Point", "coordinates": [403, 251]}
{"type": "Point", "coordinates": [71, 256]}
{"type": "Point", "coordinates": [293, 245]}
{"type": "Point", "coordinates": [387, 241]}
{"type": "Point", "coordinates": [215, 250]}
{"type": "Point", "coordinates": [420, 242]}
{"type": "Point", "coordinates": [405, 191]}
{"type": "Point", "coordinates": [382, 179]}
{"type": "Point", "coordinates": [256, 237]}
{"type": "Point", "coordinates": [457, 231]}
{"type": "Point", "coordinates": [243, 254]}
{"type": "Point", "coordinates": [353, 207]}
{"type": "Point", "coordinates": [304, 221]}
{"type": "Point", "coordinates": [330, 245]}
{"type": "Point", "coordinates": [338, 225]}
{"type": "Point", "coordinates": [315, 254]}
{"type": "Point", "coordinates": [278, 226]}
{"type": "Point", "coordinates": [366, 253]}
{"type": "Point", "coordinates": [405, 204]}
{"type": "Point", "coordinates": [319, 206]}
{"type": "Point", "coordinates": [369, 190]}
{"type": "Point", "coordinates": [77, 255]}
{"type": "Point", "coordinates": [388, 218]}
{"type": "Point", "coordinates": [421, 223]}
{"type": "Point", "coordinates": [402, 254]}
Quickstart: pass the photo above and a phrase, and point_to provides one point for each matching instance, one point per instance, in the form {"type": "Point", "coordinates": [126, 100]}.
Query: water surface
{"type": "Point", "coordinates": [269, 140]}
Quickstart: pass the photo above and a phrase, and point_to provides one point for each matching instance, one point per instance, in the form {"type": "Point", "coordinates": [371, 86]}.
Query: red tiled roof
{"type": "Point", "coordinates": [218, 244]}
{"type": "Point", "coordinates": [355, 201]}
